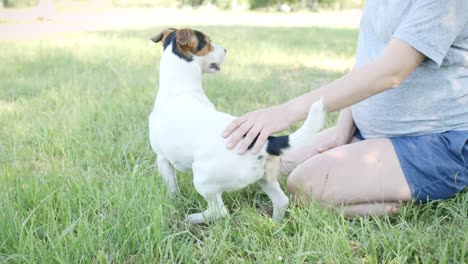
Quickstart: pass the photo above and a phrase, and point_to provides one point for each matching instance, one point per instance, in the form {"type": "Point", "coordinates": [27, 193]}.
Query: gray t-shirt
{"type": "Point", "coordinates": [434, 98]}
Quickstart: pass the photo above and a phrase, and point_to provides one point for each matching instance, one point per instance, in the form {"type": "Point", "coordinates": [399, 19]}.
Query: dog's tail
{"type": "Point", "coordinates": [304, 135]}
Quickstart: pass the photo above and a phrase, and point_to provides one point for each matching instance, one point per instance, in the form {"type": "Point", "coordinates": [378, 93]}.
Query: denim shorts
{"type": "Point", "coordinates": [435, 165]}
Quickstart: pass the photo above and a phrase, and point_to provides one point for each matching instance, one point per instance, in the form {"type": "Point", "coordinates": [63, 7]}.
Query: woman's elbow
{"type": "Point", "coordinates": [392, 79]}
{"type": "Point", "coordinates": [395, 79]}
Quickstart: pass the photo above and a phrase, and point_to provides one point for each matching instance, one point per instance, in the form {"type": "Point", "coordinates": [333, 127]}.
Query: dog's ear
{"type": "Point", "coordinates": [186, 37]}
{"type": "Point", "coordinates": [163, 35]}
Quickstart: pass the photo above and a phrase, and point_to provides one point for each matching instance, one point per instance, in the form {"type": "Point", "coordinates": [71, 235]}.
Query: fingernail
{"type": "Point", "coordinates": [241, 150]}
{"type": "Point", "coordinates": [230, 145]}
{"type": "Point", "coordinates": [224, 134]}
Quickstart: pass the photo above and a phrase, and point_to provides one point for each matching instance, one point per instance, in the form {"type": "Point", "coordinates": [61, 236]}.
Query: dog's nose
{"type": "Point", "coordinates": [225, 50]}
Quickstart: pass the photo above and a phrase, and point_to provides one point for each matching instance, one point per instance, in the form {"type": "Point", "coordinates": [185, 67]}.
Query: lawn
{"type": "Point", "coordinates": [78, 181]}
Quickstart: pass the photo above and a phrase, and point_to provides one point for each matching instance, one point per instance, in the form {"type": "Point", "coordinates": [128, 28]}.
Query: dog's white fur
{"type": "Point", "coordinates": [185, 132]}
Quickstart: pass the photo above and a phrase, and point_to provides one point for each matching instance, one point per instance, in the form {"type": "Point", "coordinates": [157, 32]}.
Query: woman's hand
{"type": "Point", "coordinates": [339, 138]}
{"type": "Point", "coordinates": [261, 123]}
{"type": "Point", "coordinates": [343, 132]}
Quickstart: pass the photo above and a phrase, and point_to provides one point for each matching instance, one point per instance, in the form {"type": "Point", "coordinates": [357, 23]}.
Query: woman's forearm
{"type": "Point", "coordinates": [360, 83]}
{"type": "Point", "coordinates": [345, 123]}
{"type": "Point", "coordinates": [350, 89]}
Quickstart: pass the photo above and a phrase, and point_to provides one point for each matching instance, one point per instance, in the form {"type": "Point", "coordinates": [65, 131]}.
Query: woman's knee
{"type": "Point", "coordinates": [305, 179]}
{"type": "Point", "coordinates": [293, 182]}
{"type": "Point", "coordinates": [315, 179]}
{"type": "Point", "coordinates": [297, 183]}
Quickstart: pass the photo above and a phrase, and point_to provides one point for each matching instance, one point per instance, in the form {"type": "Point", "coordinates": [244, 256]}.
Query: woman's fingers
{"type": "Point", "coordinates": [249, 138]}
{"type": "Point", "coordinates": [237, 135]}
{"type": "Point", "coordinates": [261, 140]}
{"type": "Point", "coordinates": [234, 125]}
{"type": "Point", "coordinates": [261, 123]}
{"type": "Point", "coordinates": [329, 145]}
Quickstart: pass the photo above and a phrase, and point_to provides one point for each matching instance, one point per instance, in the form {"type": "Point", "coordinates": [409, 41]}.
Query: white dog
{"type": "Point", "coordinates": [185, 129]}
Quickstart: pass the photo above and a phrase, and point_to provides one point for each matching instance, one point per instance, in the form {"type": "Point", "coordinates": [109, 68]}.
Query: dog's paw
{"type": "Point", "coordinates": [197, 218]}
{"type": "Point", "coordinates": [280, 209]}
{"type": "Point", "coordinates": [277, 217]}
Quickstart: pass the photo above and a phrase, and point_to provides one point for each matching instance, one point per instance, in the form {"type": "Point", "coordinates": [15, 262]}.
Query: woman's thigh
{"type": "Point", "coordinates": [366, 171]}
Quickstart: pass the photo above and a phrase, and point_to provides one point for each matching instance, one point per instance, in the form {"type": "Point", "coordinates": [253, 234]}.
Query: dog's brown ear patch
{"type": "Point", "coordinates": [187, 42]}
{"type": "Point", "coordinates": [186, 37]}
{"type": "Point", "coordinates": [163, 35]}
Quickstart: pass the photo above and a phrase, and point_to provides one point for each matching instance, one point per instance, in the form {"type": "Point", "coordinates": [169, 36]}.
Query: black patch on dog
{"type": "Point", "coordinates": [275, 145]}
{"type": "Point", "coordinates": [201, 40]}
{"type": "Point", "coordinates": [171, 39]}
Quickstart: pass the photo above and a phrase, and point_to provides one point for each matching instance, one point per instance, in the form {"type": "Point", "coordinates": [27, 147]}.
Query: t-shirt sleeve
{"type": "Point", "coordinates": [432, 26]}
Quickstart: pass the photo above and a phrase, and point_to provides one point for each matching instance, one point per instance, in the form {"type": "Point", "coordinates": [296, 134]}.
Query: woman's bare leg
{"type": "Point", "coordinates": [293, 158]}
{"type": "Point", "coordinates": [365, 177]}
{"type": "Point", "coordinates": [366, 209]}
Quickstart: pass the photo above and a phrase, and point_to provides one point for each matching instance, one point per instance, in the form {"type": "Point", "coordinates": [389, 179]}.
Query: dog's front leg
{"type": "Point", "coordinates": [216, 209]}
{"type": "Point", "coordinates": [168, 174]}
{"type": "Point", "coordinates": [279, 199]}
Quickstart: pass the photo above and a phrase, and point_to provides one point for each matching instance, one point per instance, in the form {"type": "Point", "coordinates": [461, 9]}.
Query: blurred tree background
{"type": "Point", "coordinates": [285, 5]}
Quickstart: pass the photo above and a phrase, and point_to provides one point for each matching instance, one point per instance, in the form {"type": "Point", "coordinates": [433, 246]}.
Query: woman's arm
{"type": "Point", "coordinates": [396, 63]}
{"type": "Point", "coordinates": [345, 129]}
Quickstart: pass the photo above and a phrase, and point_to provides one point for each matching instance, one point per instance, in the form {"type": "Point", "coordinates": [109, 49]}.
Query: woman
{"type": "Point", "coordinates": [403, 127]}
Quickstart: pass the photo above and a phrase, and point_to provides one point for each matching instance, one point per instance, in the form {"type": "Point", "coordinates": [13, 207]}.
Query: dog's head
{"type": "Point", "coordinates": [192, 45]}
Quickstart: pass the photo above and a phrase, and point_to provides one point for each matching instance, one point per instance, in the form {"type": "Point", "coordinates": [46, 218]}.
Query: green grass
{"type": "Point", "coordinates": [78, 182]}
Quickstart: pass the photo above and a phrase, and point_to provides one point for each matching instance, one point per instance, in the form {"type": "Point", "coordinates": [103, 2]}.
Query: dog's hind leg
{"type": "Point", "coordinates": [279, 199]}
{"type": "Point", "coordinates": [168, 174]}
{"type": "Point", "coordinates": [216, 209]}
